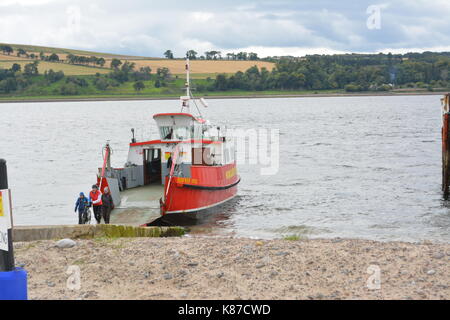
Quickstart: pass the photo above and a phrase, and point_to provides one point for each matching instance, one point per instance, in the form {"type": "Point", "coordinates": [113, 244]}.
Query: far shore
{"type": "Point", "coordinates": [244, 96]}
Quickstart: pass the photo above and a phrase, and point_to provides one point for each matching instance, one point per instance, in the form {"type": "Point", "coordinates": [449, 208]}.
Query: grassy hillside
{"type": "Point", "coordinates": [89, 76]}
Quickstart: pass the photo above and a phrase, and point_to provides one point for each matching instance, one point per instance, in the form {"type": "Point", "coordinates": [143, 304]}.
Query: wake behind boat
{"type": "Point", "coordinates": [189, 168]}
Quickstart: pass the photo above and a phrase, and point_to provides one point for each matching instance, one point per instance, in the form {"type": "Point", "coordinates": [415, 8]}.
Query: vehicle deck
{"type": "Point", "coordinates": [138, 206]}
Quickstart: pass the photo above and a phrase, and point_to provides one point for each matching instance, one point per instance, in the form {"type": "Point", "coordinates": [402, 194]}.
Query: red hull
{"type": "Point", "coordinates": [208, 187]}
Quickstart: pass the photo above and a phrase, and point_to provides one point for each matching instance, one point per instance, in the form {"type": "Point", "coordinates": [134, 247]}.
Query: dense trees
{"type": "Point", "coordinates": [191, 54]}
{"type": "Point", "coordinates": [16, 67]}
{"type": "Point", "coordinates": [162, 76]}
{"type": "Point", "coordinates": [85, 60]}
{"type": "Point", "coordinates": [115, 63]}
{"type": "Point", "coordinates": [168, 54]}
{"type": "Point", "coordinates": [138, 85]}
{"type": "Point", "coordinates": [216, 55]}
{"type": "Point", "coordinates": [21, 52]}
{"type": "Point", "coordinates": [52, 76]}
{"type": "Point", "coordinates": [213, 55]}
{"type": "Point", "coordinates": [12, 79]}
{"type": "Point", "coordinates": [31, 69]}
{"type": "Point", "coordinates": [53, 58]}
{"type": "Point", "coordinates": [6, 49]}
{"type": "Point", "coordinates": [351, 72]}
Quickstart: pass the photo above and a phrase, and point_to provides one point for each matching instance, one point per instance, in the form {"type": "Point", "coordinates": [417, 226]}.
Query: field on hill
{"type": "Point", "coordinates": [205, 67]}
{"type": "Point", "coordinates": [5, 57]}
{"type": "Point", "coordinates": [68, 69]}
{"type": "Point", "coordinates": [50, 50]}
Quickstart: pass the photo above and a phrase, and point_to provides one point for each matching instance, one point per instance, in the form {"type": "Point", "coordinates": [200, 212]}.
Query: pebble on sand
{"type": "Point", "coordinates": [66, 243]}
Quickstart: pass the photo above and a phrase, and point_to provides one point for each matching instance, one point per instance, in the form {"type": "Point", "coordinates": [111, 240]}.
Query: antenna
{"type": "Point", "coordinates": [188, 80]}
{"type": "Point", "coordinates": [185, 99]}
{"type": "Point", "coordinates": [189, 96]}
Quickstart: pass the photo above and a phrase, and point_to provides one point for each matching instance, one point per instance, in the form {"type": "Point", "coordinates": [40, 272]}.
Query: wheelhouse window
{"type": "Point", "coordinates": [176, 133]}
{"type": "Point", "coordinates": [182, 133]}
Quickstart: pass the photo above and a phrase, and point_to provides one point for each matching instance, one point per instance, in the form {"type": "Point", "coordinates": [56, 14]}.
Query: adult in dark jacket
{"type": "Point", "coordinates": [107, 205]}
{"type": "Point", "coordinates": [80, 205]}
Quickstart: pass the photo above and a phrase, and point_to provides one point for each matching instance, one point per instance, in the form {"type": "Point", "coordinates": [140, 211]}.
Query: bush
{"type": "Point", "coordinates": [353, 88]}
{"type": "Point", "coordinates": [138, 85]}
{"type": "Point", "coordinates": [52, 76]}
{"type": "Point", "coordinates": [101, 83]}
{"type": "Point", "coordinates": [77, 81]}
{"type": "Point", "coordinates": [384, 87]}
{"type": "Point", "coordinates": [69, 89]}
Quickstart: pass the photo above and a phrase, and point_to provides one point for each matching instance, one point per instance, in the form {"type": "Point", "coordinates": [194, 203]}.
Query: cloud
{"type": "Point", "coordinates": [5, 3]}
{"type": "Point", "coordinates": [283, 27]}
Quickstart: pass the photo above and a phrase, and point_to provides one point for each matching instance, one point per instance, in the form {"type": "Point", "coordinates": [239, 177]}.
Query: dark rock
{"type": "Point", "coordinates": [282, 253]}
{"type": "Point", "coordinates": [438, 255]}
{"type": "Point", "coordinates": [182, 273]}
{"type": "Point", "coordinates": [273, 274]}
{"type": "Point", "coordinates": [167, 276]}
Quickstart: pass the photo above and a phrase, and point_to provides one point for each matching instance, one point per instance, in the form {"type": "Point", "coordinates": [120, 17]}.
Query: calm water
{"type": "Point", "coordinates": [359, 167]}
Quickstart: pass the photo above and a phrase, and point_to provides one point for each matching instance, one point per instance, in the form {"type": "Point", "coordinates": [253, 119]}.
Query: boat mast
{"type": "Point", "coordinates": [188, 80]}
{"type": "Point", "coordinates": [185, 100]}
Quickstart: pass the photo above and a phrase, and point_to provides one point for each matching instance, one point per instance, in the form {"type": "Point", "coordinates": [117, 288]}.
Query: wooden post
{"type": "Point", "coordinates": [6, 257]}
{"type": "Point", "coordinates": [445, 145]}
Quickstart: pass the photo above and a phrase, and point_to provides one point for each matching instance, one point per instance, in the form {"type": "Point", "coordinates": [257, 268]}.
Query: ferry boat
{"type": "Point", "coordinates": [189, 168]}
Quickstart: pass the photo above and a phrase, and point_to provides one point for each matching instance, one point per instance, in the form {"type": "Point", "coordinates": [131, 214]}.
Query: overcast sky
{"type": "Point", "coordinates": [277, 27]}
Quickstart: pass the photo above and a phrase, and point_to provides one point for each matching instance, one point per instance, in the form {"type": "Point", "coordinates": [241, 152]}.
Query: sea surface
{"type": "Point", "coordinates": [352, 167]}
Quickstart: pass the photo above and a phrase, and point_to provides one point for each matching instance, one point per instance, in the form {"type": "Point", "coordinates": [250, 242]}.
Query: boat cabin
{"type": "Point", "coordinates": [196, 143]}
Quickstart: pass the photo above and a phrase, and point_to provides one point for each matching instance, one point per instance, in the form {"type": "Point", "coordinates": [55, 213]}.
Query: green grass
{"type": "Point", "coordinates": [292, 238]}
{"type": "Point", "coordinates": [270, 92]}
{"type": "Point", "coordinates": [201, 75]}
{"type": "Point", "coordinates": [41, 90]}
{"type": "Point", "coordinates": [127, 91]}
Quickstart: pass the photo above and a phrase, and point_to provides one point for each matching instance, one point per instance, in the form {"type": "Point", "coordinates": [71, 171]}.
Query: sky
{"type": "Point", "coordinates": [269, 28]}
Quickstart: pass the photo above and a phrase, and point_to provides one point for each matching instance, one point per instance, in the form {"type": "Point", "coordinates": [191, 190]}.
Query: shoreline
{"type": "Point", "coordinates": [218, 268]}
{"type": "Point", "coordinates": [213, 97]}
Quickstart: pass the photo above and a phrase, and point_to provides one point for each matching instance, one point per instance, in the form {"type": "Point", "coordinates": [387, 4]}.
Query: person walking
{"type": "Point", "coordinates": [107, 205]}
{"type": "Point", "coordinates": [95, 197]}
{"type": "Point", "coordinates": [81, 204]}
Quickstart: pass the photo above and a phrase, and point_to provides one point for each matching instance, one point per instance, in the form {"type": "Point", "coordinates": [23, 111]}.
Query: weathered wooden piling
{"type": "Point", "coordinates": [445, 145]}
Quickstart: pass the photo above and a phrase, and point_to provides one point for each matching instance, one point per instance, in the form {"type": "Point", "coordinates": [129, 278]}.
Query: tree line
{"type": "Point", "coordinates": [215, 55]}
{"type": "Point", "coordinates": [84, 60]}
{"type": "Point", "coordinates": [16, 80]}
{"type": "Point", "coordinates": [352, 72]}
